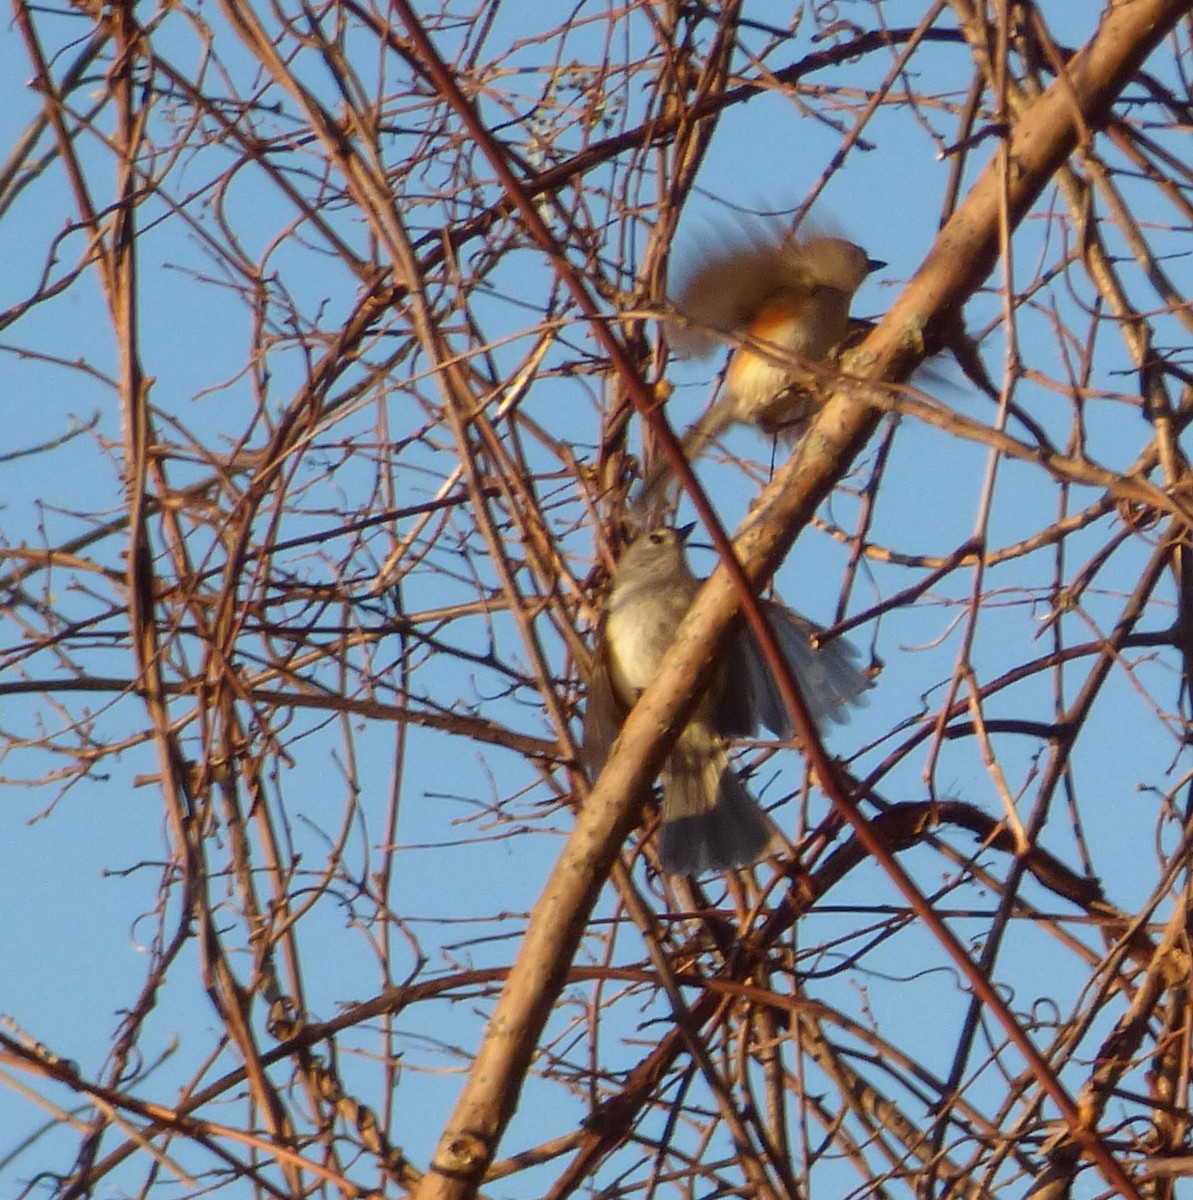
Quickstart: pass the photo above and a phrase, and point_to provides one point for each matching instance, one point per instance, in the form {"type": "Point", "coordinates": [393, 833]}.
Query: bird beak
{"type": "Point", "coordinates": [874, 264]}
{"type": "Point", "coordinates": [684, 532]}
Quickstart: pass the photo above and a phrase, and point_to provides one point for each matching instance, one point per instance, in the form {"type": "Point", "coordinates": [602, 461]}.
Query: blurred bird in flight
{"type": "Point", "coordinates": [785, 304]}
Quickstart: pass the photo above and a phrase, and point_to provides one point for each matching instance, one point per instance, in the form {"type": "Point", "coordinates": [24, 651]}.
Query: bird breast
{"type": "Point", "coordinates": [638, 631]}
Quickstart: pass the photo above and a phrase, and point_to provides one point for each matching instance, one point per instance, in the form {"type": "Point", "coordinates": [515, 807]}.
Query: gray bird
{"type": "Point", "coordinates": [710, 821]}
{"type": "Point", "coordinates": [783, 298]}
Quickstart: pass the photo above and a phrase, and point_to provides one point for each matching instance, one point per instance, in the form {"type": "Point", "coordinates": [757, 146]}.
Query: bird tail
{"type": "Point", "coordinates": [710, 820]}
{"type": "Point", "coordinates": [657, 484]}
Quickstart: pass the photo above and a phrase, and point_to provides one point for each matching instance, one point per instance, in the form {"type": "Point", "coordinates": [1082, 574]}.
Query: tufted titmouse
{"type": "Point", "coordinates": [778, 298]}
{"type": "Point", "coordinates": [710, 821]}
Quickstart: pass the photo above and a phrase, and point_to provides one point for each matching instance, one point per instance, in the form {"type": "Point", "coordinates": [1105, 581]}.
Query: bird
{"type": "Point", "coordinates": [780, 300]}
{"type": "Point", "coordinates": [710, 822]}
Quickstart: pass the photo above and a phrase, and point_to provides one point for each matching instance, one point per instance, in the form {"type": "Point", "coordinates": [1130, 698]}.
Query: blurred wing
{"type": "Point", "coordinates": [725, 287]}
{"type": "Point", "coordinates": [830, 678]}
{"type": "Point", "coordinates": [731, 706]}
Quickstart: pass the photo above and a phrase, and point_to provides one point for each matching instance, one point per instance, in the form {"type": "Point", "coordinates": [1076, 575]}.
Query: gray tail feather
{"type": "Point", "coordinates": [657, 485]}
{"type": "Point", "coordinates": [710, 820]}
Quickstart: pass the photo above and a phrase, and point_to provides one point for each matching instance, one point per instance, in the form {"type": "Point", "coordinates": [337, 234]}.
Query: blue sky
{"type": "Point", "coordinates": [81, 866]}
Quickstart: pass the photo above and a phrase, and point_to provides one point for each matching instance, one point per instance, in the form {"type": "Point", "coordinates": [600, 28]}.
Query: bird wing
{"type": "Point", "coordinates": [603, 714]}
{"type": "Point", "coordinates": [829, 677]}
